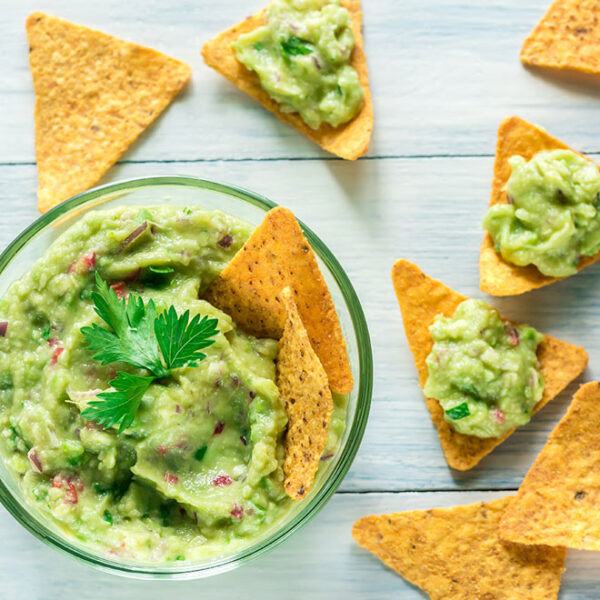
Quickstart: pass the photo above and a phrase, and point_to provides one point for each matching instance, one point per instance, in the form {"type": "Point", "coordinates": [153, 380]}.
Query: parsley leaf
{"type": "Point", "coordinates": [294, 46]}
{"type": "Point", "coordinates": [140, 337]}
{"type": "Point", "coordinates": [120, 407]}
{"type": "Point", "coordinates": [181, 340]}
{"type": "Point", "coordinates": [131, 335]}
{"type": "Point", "coordinates": [459, 412]}
{"type": "Point", "coordinates": [46, 332]}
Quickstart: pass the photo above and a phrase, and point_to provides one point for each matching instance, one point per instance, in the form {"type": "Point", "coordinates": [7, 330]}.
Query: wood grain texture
{"type": "Point", "coordinates": [443, 73]}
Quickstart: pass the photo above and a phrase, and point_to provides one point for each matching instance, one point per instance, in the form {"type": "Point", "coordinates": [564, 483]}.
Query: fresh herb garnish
{"type": "Point", "coordinates": [161, 270]}
{"type": "Point", "coordinates": [140, 337]}
{"type": "Point", "coordinates": [199, 454]}
{"type": "Point", "coordinates": [108, 517]}
{"type": "Point", "coordinates": [459, 412]}
{"type": "Point", "coordinates": [46, 332]}
{"type": "Point", "coordinates": [257, 46]}
{"type": "Point", "coordinates": [294, 46]}
{"type": "Point", "coordinates": [467, 387]}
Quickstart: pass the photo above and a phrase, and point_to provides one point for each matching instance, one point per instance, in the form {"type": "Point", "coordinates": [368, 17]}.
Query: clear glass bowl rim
{"type": "Point", "coordinates": [358, 425]}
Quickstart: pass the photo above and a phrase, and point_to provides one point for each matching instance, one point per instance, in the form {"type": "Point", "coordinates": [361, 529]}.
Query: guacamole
{"type": "Point", "coordinates": [302, 58]}
{"type": "Point", "coordinates": [483, 371]}
{"type": "Point", "coordinates": [199, 472]}
{"type": "Point", "coordinates": [552, 218]}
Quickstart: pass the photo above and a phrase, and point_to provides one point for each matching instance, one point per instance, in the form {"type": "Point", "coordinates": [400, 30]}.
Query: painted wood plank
{"type": "Point", "coordinates": [369, 214]}
{"type": "Point", "coordinates": [444, 73]}
{"type": "Point", "coordinates": [322, 561]}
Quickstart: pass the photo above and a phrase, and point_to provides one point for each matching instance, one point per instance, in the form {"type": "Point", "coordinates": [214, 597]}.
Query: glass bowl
{"type": "Point", "coordinates": [184, 191]}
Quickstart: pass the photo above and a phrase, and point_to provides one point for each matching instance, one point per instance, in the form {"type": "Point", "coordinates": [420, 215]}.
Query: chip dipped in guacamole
{"type": "Point", "coordinates": [302, 57]}
{"type": "Point", "coordinates": [552, 218]}
{"type": "Point", "coordinates": [137, 417]}
{"type": "Point", "coordinates": [483, 371]}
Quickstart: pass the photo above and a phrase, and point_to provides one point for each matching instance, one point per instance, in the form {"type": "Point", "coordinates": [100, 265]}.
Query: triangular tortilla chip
{"type": "Point", "coordinates": [303, 385]}
{"type": "Point", "coordinates": [350, 140]}
{"type": "Point", "coordinates": [496, 276]}
{"type": "Point", "coordinates": [94, 95]}
{"type": "Point", "coordinates": [457, 554]}
{"type": "Point", "coordinates": [275, 256]}
{"type": "Point", "coordinates": [568, 37]}
{"type": "Point", "coordinates": [421, 299]}
{"type": "Point", "coordinates": [558, 503]}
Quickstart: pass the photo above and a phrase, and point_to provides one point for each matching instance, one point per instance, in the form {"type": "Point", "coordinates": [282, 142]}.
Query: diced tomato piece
{"type": "Point", "coordinates": [71, 486]}
{"type": "Point", "coordinates": [237, 511]}
{"type": "Point", "coordinates": [53, 342]}
{"type": "Point", "coordinates": [162, 450]}
{"type": "Point", "coordinates": [222, 480]}
{"type": "Point", "coordinates": [71, 494]}
{"type": "Point", "coordinates": [84, 264]}
{"type": "Point", "coordinates": [171, 479]}
{"type": "Point", "coordinates": [57, 352]}
{"type": "Point", "coordinates": [219, 428]}
{"type": "Point", "coordinates": [120, 289]}
{"type": "Point", "coordinates": [498, 415]}
{"type": "Point", "coordinates": [88, 261]}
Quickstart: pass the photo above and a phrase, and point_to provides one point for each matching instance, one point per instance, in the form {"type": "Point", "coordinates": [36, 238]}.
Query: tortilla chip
{"type": "Point", "coordinates": [349, 140]}
{"type": "Point", "coordinates": [558, 503]}
{"type": "Point", "coordinates": [456, 553]}
{"type": "Point", "coordinates": [94, 95]}
{"type": "Point", "coordinates": [568, 37]}
{"type": "Point", "coordinates": [496, 276]}
{"type": "Point", "coordinates": [275, 256]}
{"type": "Point", "coordinates": [303, 385]}
{"type": "Point", "coordinates": [421, 299]}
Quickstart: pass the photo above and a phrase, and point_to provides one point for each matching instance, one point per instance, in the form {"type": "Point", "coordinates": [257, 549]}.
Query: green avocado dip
{"type": "Point", "coordinates": [483, 371]}
{"type": "Point", "coordinates": [302, 58]}
{"type": "Point", "coordinates": [552, 218]}
{"type": "Point", "coordinates": [199, 471]}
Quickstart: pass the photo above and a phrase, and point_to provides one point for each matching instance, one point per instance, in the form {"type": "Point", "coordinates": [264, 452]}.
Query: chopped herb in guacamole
{"type": "Point", "coordinates": [302, 57]}
{"type": "Point", "coordinates": [552, 218]}
{"type": "Point", "coordinates": [483, 371]}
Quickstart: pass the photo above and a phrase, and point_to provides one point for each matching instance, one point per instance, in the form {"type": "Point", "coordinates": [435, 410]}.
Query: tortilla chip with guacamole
{"type": "Point", "coordinates": [310, 78]}
{"type": "Point", "coordinates": [275, 256]}
{"type": "Point", "coordinates": [497, 276]}
{"type": "Point", "coordinates": [421, 300]}
{"type": "Point", "coordinates": [303, 385]}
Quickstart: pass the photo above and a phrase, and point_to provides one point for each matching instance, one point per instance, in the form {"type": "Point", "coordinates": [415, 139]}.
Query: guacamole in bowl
{"type": "Point", "coordinates": [193, 482]}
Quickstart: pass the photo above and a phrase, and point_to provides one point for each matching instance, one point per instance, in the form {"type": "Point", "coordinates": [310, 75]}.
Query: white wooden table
{"type": "Point", "coordinates": [444, 73]}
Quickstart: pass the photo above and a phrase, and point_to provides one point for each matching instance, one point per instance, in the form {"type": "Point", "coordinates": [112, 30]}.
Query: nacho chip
{"type": "Point", "coordinates": [456, 553]}
{"type": "Point", "coordinates": [558, 503]}
{"type": "Point", "coordinates": [568, 37]}
{"type": "Point", "coordinates": [275, 256]}
{"type": "Point", "coordinates": [421, 299]}
{"type": "Point", "coordinates": [94, 95]}
{"type": "Point", "coordinates": [496, 276]}
{"type": "Point", "coordinates": [303, 385]}
{"type": "Point", "coordinates": [349, 140]}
